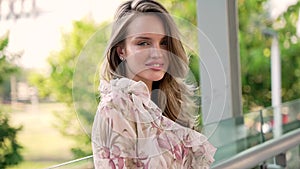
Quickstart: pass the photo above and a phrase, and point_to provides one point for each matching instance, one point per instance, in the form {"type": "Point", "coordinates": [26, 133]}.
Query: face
{"type": "Point", "coordinates": [145, 49]}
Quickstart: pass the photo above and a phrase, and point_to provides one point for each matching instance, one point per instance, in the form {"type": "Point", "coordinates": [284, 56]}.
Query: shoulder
{"type": "Point", "coordinates": [122, 93]}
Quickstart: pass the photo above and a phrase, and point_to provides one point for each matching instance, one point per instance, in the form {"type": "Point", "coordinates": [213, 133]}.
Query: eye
{"type": "Point", "coordinates": [164, 42]}
{"type": "Point", "coordinates": [143, 43]}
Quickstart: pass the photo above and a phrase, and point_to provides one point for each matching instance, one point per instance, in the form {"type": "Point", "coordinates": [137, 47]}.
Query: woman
{"type": "Point", "coordinates": [144, 119]}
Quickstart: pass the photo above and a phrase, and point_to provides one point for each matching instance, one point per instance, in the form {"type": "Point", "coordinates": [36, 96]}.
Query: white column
{"type": "Point", "coordinates": [276, 86]}
{"type": "Point", "coordinates": [220, 74]}
{"type": "Point", "coordinates": [220, 63]}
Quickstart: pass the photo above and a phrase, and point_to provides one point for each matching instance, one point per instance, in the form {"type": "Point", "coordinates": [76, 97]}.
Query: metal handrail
{"type": "Point", "coordinates": [246, 159]}
{"type": "Point", "coordinates": [70, 162]}
{"type": "Point", "coordinates": [260, 153]}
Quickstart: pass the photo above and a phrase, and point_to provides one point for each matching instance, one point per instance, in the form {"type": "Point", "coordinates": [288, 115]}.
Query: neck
{"type": "Point", "coordinates": [147, 82]}
{"type": "Point", "coordinates": [149, 85]}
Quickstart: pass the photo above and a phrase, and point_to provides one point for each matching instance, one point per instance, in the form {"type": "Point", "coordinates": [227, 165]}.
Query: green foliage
{"type": "Point", "coordinates": [63, 63]}
{"type": "Point", "coordinates": [194, 66]}
{"type": "Point", "coordinates": [41, 83]}
{"type": "Point", "coordinates": [72, 81]}
{"type": "Point", "coordinates": [6, 67]}
{"type": "Point", "coordinates": [9, 147]}
{"type": "Point", "coordinates": [182, 8]}
{"type": "Point", "coordinates": [255, 53]}
{"type": "Point", "coordinates": [3, 43]}
{"type": "Point", "coordinates": [290, 47]}
{"type": "Point", "coordinates": [63, 66]}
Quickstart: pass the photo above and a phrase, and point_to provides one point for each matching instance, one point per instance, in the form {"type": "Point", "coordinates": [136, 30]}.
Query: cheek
{"type": "Point", "coordinates": [136, 62]}
{"type": "Point", "coordinates": [138, 56]}
{"type": "Point", "coordinates": [167, 61]}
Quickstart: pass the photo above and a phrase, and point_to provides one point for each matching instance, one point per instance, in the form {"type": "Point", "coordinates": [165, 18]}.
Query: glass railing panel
{"type": "Point", "coordinates": [290, 116]}
{"type": "Point", "coordinates": [289, 119]}
{"type": "Point", "coordinates": [234, 135]}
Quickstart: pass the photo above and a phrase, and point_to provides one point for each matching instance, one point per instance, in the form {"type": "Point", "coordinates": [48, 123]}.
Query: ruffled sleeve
{"type": "Point", "coordinates": [106, 152]}
{"type": "Point", "coordinates": [188, 147]}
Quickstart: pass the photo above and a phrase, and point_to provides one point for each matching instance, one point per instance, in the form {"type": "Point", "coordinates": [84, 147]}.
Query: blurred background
{"type": "Point", "coordinates": [40, 42]}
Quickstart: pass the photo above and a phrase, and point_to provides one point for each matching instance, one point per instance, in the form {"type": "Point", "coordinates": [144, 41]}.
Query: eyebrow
{"type": "Point", "coordinates": [141, 37]}
{"type": "Point", "coordinates": [147, 38]}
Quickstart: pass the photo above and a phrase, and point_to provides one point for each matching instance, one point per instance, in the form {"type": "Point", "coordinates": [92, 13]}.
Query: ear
{"type": "Point", "coordinates": [121, 51]}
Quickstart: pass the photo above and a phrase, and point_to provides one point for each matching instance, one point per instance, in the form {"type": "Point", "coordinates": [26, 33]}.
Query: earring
{"type": "Point", "coordinates": [122, 58]}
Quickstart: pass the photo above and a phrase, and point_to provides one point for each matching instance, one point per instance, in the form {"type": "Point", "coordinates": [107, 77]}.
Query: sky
{"type": "Point", "coordinates": [37, 37]}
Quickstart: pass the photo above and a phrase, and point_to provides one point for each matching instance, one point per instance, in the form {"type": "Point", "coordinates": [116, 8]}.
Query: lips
{"type": "Point", "coordinates": [155, 65]}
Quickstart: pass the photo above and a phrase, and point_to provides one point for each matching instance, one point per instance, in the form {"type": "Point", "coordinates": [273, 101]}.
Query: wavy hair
{"type": "Point", "coordinates": [175, 98]}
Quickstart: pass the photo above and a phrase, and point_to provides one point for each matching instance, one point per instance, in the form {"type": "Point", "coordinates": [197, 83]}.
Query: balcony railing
{"type": "Point", "coordinates": [246, 142]}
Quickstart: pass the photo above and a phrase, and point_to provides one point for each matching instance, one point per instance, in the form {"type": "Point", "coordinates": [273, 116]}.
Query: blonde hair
{"type": "Point", "coordinates": [174, 99]}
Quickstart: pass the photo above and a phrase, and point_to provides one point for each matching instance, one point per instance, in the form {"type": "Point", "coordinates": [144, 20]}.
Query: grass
{"type": "Point", "coordinates": [43, 145]}
{"type": "Point", "coordinates": [36, 165]}
{"type": "Point", "coordinates": [33, 165]}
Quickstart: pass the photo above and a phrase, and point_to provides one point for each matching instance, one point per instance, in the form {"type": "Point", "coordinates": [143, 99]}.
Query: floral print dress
{"type": "Point", "coordinates": [130, 132]}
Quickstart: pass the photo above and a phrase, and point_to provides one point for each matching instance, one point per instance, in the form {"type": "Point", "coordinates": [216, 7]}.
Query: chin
{"type": "Point", "coordinates": [151, 75]}
{"type": "Point", "coordinates": [156, 77]}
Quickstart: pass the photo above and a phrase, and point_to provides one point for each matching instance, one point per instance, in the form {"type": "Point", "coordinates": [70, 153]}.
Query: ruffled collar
{"type": "Point", "coordinates": [132, 98]}
{"type": "Point", "coordinates": [125, 85]}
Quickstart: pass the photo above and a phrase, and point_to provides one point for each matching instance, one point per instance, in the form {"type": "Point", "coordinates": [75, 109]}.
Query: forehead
{"type": "Point", "coordinates": [146, 24]}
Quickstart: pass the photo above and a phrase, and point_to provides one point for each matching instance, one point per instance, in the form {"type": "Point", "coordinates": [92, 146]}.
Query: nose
{"type": "Point", "coordinates": [156, 51]}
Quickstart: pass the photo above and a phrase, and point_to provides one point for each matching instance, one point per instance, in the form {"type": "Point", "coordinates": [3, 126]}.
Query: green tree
{"type": "Point", "coordinates": [63, 66]}
{"type": "Point", "coordinates": [6, 69]}
{"type": "Point", "coordinates": [255, 53]}
{"type": "Point", "coordinates": [9, 147]}
{"type": "Point", "coordinates": [285, 26]}
{"type": "Point", "coordinates": [41, 82]}
{"type": "Point", "coordinates": [73, 80]}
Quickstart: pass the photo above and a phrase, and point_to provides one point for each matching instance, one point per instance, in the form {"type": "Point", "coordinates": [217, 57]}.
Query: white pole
{"type": "Point", "coordinates": [276, 86]}
{"type": "Point", "coordinates": [298, 25]}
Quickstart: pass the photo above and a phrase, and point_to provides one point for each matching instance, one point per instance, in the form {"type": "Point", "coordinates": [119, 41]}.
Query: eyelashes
{"type": "Point", "coordinates": [144, 43]}
{"type": "Point", "coordinates": [164, 42]}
